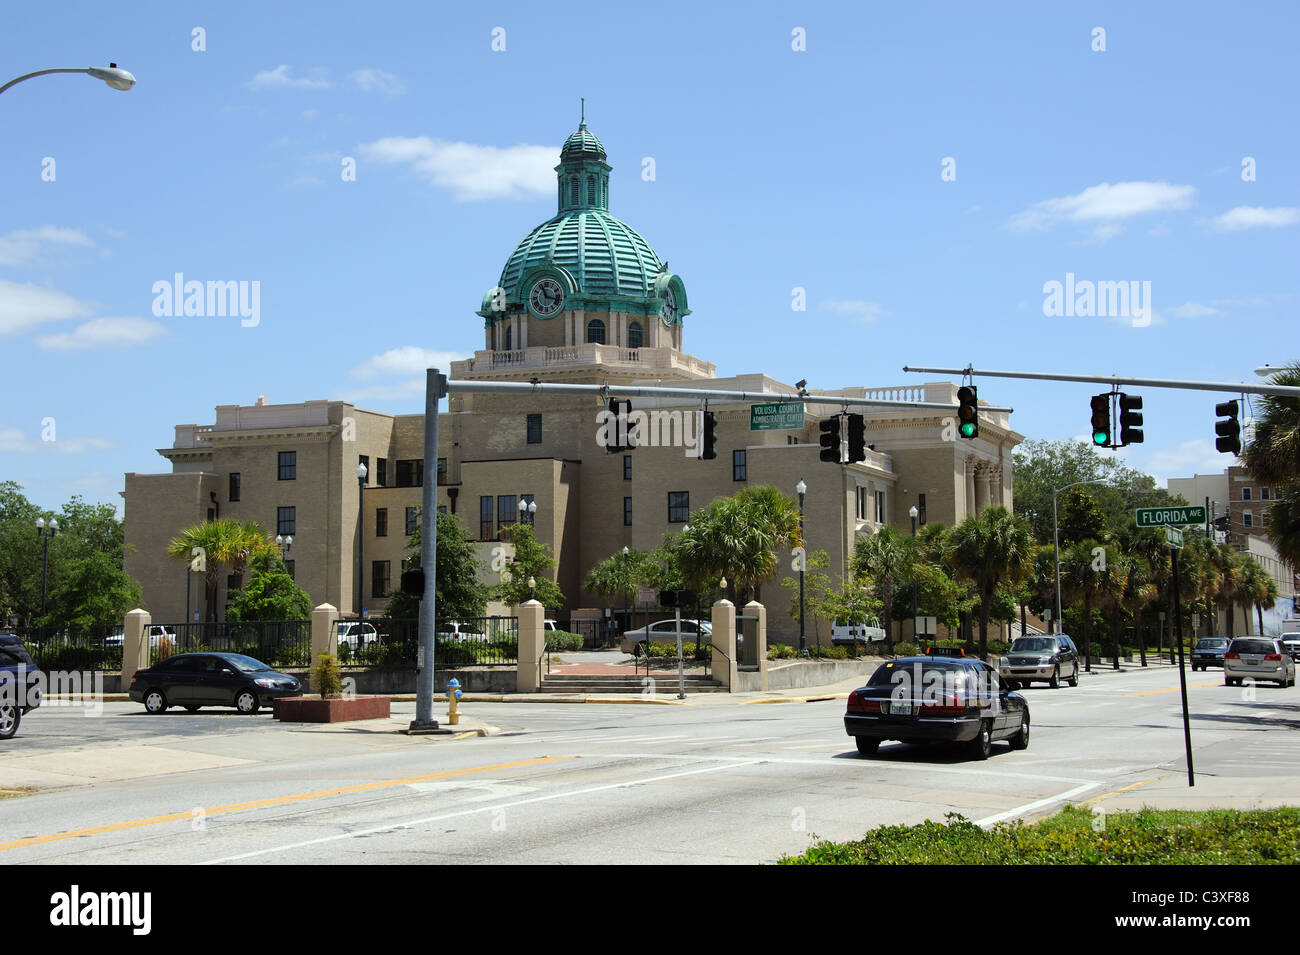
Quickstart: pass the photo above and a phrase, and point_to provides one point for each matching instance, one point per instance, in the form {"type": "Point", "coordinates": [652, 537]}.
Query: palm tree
{"type": "Point", "coordinates": [886, 558]}
{"type": "Point", "coordinates": [1273, 454]}
{"type": "Point", "coordinates": [619, 576]}
{"type": "Point", "coordinates": [738, 538]}
{"type": "Point", "coordinates": [1254, 590]}
{"type": "Point", "coordinates": [992, 549]}
{"type": "Point", "coordinates": [1139, 590]}
{"type": "Point", "coordinates": [1231, 576]}
{"type": "Point", "coordinates": [1093, 579]}
{"type": "Point", "coordinates": [221, 543]}
{"type": "Point", "coordinates": [1282, 521]}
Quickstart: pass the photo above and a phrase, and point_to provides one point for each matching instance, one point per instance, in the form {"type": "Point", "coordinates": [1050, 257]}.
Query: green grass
{"type": "Point", "coordinates": [1147, 837]}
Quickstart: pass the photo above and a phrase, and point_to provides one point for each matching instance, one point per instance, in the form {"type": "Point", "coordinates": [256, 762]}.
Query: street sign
{"type": "Point", "coordinates": [1173, 537]}
{"type": "Point", "coordinates": [1165, 516]}
{"type": "Point", "coordinates": [776, 416]}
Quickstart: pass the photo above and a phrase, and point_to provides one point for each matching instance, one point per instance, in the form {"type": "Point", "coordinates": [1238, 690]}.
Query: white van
{"type": "Point", "coordinates": [851, 633]}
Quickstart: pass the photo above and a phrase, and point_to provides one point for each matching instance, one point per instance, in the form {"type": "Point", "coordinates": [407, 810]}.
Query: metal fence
{"type": "Point", "coordinates": [277, 643]}
{"type": "Point", "coordinates": [58, 648]}
{"type": "Point", "coordinates": [459, 642]}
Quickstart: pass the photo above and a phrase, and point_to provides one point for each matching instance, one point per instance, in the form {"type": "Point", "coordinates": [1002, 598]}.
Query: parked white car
{"type": "Point", "coordinates": [352, 633]}
{"type": "Point", "coordinates": [849, 633]}
{"type": "Point", "coordinates": [157, 633]}
{"type": "Point", "coordinates": [664, 631]}
{"type": "Point", "coordinates": [459, 632]}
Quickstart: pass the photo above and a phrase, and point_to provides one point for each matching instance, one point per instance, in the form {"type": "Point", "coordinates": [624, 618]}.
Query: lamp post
{"type": "Point", "coordinates": [1056, 552]}
{"type": "Point", "coordinates": [625, 593]}
{"type": "Point", "coordinates": [361, 541]}
{"type": "Point", "coordinates": [527, 512]}
{"type": "Point", "coordinates": [913, 513]}
{"type": "Point", "coordinates": [118, 79]}
{"type": "Point", "coordinates": [285, 543]}
{"type": "Point", "coordinates": [45, 533]}
{"type": "Point", "coordinates": [801, 489]}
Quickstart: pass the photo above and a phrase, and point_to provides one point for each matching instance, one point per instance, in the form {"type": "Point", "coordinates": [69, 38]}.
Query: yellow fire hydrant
{"type": "Point", "coordinates": [453, 702]}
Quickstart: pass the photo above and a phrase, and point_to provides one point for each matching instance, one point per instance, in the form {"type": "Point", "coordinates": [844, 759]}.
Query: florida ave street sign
{"type": "Point", "coordinates": [1167, 516]}
{"type": "Point", "coordinates": [776, 416]}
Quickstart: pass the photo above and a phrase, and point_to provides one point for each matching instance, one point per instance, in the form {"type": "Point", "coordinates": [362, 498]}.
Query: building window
{"type": "Point", "coordinates": [596, 331]}
{"type": "Point", "coordinates": [380, 579]}
{"type": "Point", "coordinates": [364, 460]}
{"type": "Point", "coordinates": [381, 522]}
{"type": "Point", "coordinates": [627, 512]}
{"type": "Point", "coordinates": [738, 469]}
{"type": "Point", "coordinates": [880, 507]}
{"type": "Point", "coordinates": [591, 190]}
{"type": "Point", "coordinates": [627, 467]}
{"type": "Point", "coordinates": [412, 515]}
{"type": "Point", "coordinates": [1263, 494]}
{"type": "Point", "coordinates": [679, 506]}
{"type": "Point", "coordinates": [920, 509]}
{"type": "Point", "coordinates": [508, 343]}
{"type": "Point", "coordinates": [485, 518]}
{"type": "Point", "coordinates": [442, 471]}
{"type": "Point", "coordinates": [634, 335]}
{"type": "Point", "coordinates": [381, 472]}
{"type": "Point", "coordinates": [288, 465]}
{"type": "Point", "coordinates": [507, 511]}
{"type": "Point", "coordinates": [286, 520]}
{"type": "Point", "coordinates": [410, 473]}
{"type": "Point", "coordinates": [860, 504]}
{"type": "Point", "coordinates": [234, 486]}
{"type": "Point", "coordinates": [1245, 494]}
{"type": "Point", "coordinates": [534, 429]}
{"type": "Point", "coordinates": [573, 190]}
{"type": "Point", "coordinates": [289, 569]}
{"type": "Point", "coordinates": [1247, 519]}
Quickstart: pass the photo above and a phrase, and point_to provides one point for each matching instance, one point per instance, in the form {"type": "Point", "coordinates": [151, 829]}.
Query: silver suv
{"type": "Point", "coordinates": [1258, 658]}
{"type": "Point", "coordinates": [1045, 659]}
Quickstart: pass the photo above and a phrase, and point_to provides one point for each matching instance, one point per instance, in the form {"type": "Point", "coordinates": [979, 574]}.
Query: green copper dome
{"type": "Point", "coordinates": [603, 255]}
{"type": "Point", "coordinates": [582, 144]}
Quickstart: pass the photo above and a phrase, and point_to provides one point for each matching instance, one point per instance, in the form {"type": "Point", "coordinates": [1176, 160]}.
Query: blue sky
{"type": "Point", "coordinates": [820, 168]}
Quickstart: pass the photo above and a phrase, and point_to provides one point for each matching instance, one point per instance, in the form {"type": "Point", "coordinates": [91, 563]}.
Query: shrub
{"type": "Point", "coordinates": [905, 649]}
{"type": "Point", "coordinates": [325, 676]}
{"type": "Point", "coordinates": [781, 651]}
{"type": "Point", "coordinates": [563, 640]}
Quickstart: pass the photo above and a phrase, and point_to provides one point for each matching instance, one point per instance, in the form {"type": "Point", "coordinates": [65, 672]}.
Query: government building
{"type": "Point", "coordinates": [581, 299]}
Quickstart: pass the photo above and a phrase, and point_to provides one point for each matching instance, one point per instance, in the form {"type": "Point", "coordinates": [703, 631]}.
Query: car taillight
{"type": "Point", "coordinates": [860, 704]}
{"type": "Point", "coordinates": [1232, 656]}
{"type": "Point", "coordinates": [135, 676]}
{"type": "Point", "coordinates": [1274, 656]}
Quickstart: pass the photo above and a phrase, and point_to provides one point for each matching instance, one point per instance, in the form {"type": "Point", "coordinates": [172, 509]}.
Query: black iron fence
{"type": "Point", "coordinates": [459, 642]}
{"type": "Point", "coordinates": [60, 648]}
{"type": "Point", "coordinates": [277, 643]}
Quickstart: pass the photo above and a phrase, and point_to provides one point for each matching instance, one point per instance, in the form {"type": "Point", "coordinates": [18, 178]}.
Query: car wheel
{"type": "Point", "coordinates": [982, 744]}
{"type": "Point", "coordinates": [1074, 676]}
{"type": "Point", "coordinates": [867, 745]}
{"type": "Point", "coordinates": [1021, 739]}
{"type": "Point", "coordinates": [155, 701]}
{"type": "Point", "coordinates": [1055, 681]}
{"type": "Point", "coordinates": [191, 709]}
{"type": "Point", "coordinates": [246, 702]}
{"type": "Point", "coordinates": [10, 717]}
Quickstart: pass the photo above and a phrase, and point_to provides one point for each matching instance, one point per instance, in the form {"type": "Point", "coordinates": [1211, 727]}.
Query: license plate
{"type": "Point", "coordinates": [900, 709]}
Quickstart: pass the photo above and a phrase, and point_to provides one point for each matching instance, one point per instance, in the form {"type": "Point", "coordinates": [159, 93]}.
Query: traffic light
{"type": "Point", "coordinates": [619, 429]}
{"type": "Point", "coordinates": [413, 583]}
{"type": "Point", "coordinates": [1229, 431]}
{"type": "Point", "coordinates": [709, 438]}
{"type": "Point", "coordinates": [1130, 421]}
{"type": "Point", "coordinates": [968, 411]}
{"type": "Point", "coordinates": [1101, 435]}
{"type": "Point", "coordinates": [857, 438]}
{"type": "Point", "coordinates": [830, 439]}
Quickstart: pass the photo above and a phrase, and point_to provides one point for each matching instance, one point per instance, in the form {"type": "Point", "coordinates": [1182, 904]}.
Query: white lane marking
{"type": "Point", "coordinates": [469, 812]}
{"type": "Point", "coordinates": [1036, 804]}
{"type": "Point", "coordinates": [709, 739]}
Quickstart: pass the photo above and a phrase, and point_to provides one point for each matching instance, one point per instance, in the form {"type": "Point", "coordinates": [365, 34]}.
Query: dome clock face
{"type": "Point", "coordinates": [546, 297]}
{"type": "Point", "coordinates": [670, 308]}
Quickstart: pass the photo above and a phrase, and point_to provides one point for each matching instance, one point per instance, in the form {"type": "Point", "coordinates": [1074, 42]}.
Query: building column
{"type": "Point", "coordinates": [970, 484]}
{"type": "Point", "coordinates": [981, 487]}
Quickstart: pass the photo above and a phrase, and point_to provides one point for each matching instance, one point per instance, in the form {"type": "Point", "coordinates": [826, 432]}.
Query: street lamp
{"type": "Point", "coordinates": [527, 511]}
{"type": "Point", "coordinates": [532, 587]}
{"type": "Point", "coordinates": [45, 533]}
{"type": "Point", "coordinates": [626, 619]}
{"type": "Point", "coordinates": [118, 79]}
{"type": "Point", "coordinates": [285, 543]}
{"type": "Point", "coordinates": [801, 489]}
{"type": "Point", "coordinates": [361, 540]}
{"type": "Point", "coordinates": [913, 513]}
{"type": "Point", "coordinates": [1056, 552]}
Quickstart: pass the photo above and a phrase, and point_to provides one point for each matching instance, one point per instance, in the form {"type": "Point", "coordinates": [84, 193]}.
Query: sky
{"type": "Point", "coordinates": [915, 176]}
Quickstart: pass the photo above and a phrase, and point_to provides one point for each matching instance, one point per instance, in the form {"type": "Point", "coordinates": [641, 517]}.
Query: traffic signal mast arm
{"type": "Point", "coordinates": [1232, 388]}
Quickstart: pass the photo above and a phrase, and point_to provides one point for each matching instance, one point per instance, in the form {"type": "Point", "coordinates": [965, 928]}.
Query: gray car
{"type": "Point", "coordinates": [1048, 658]}
{"type": "Point", "coordinates": [1258, 659]}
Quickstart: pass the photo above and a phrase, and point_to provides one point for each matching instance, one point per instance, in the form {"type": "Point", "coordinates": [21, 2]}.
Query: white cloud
{"type": "Point", "coordinates": [864, 311]}
{"type": "Point", "coordinates": [281, 77]}
{"type": "Point", "coordinates": [470, 171]}
{"type": "Point", "coordinates": [409, 360]}
{"type": "Point", "coordinates": [25, 305]}
{"type": "Point", "coordinates": [16, 441]}
{"type": "Point", "coordinates": [1186, 459]}
{"type": "Point", "coordinates": [1103, 203]}
{"type": "Point", "coordinates": [22, 247]}
{"type": "Point", "coordinates": [104, 333]}
{"type": "Point", "coordinates": [1255, 217]}
{"type": "Point", "coordinates": [1104, 233]}
{"type": "Point", "coordinates": [1195, 310]}
{"type": "Point", "coordinates": [370, 80]}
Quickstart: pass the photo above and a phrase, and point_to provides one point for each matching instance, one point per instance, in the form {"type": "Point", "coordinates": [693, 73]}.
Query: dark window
{"type": "Point", "coordinates": [534, 429]}
{"type": "Point", "coordinates": [596, 331]}
{"type": "Point", "coordinates": [442, 470]}
{"type": "Point", "coordinates": [288, 566]}
{"type": "Point", "coordinates": [738, 469]}
{"type": "Point", "coordinates": [485, 518]}
{"type": "Point", "coordinates": [920, 509]}
{"type": "Point", "coordinates": [286, 520]}
{"type": "Point", "coordinates": [627, 467]}
{"type": "Point", "coordinates": [381, 472]}
{"type": "Point", "coordinates": [411, 517]}
{"type": "Point", "coordinates": [1245, 494]}
{"type": "Point", "coordinates": [379, 578]}
{"type": "Point", "coordinates": [212, 513]}
{"type": "Point", "coordinates": [1263, 494]}
{"type": "Point", "coordinates": [880, 507]}
{"type": "Point", "coordinates": [591, 190]}
{"type": "Point", "coordinates": [573, 191]}
{"type": "Point", "coordinates": [381, 522]}
{"type": "Point", "coordinates": [234, 486]}
{"type": "Point", "coordinates": [364, 459]}
{"type": "Point", "coordinates": [627, 512]}
{"type": "Point", "coordinates": [288, 465]}
{"type": "Point", "coordinates": [634, 335]}
{"type": "Point", "coordinates": [1248, 519]}
{"type": "Point", "coordinates": [410, 473]}
{"type": "Point", "coordinates": [507, 511]}
{"type": "Point", "coordinates": [679, 506]}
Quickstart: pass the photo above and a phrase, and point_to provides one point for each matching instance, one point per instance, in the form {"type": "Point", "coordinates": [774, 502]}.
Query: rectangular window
{"type": "Point", "coordinates": [288, 465]}
{"type": "Point", "coordinates": [286, 520]}
{"type": "Point", "coordinates": [880, 507]}
{"type": "Point", "coordinates": [1245, 494]}
{"type": "Point", "coordinates": [381, 522]}
{"type": "Point", "coordinates": [411, 517]}
{"type": "Point", "coordinates": [485, 532]}
{"type": "Point", "coordinates": [442, 471]}
{"type": "Point", "coordinates": [1263, 494]}
{"type": "Point", "coordinates": [1247, 519]}
{"type": "Point", "coordinates": [861, 504]}
{"type": "Point", "coordinates": [289, 568]}
{"type": "Point", "coordinates": [738, 469]}
{"type": "Point", "coordinates": [234, 486]}
{"type": "Point", "coordinates": [364, 460]}
{"type": "Point", "coordinates": [627, 512]}
{"type": "Point", "coordinates": [920, 508]}
{"type": "Point", "coordinates": [410, 473]}
{"type": "Point", "coordinates": [381, 472]}
{"type": "Point", "coordinates": [534, 429]}
{"type": "Point", "coordinates": [507, 512]}
{"type": "Point", "coordinates": [627, 467]}
{"type": "Point", "coordinates": [379, 578]}
{"type": "Point", "coordinates": [679, 506]}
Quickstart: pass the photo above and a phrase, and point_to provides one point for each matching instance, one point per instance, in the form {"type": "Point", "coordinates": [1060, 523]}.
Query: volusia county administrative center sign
{"type": "Point", "coordinates": [777, 416]}
{"type": "Point", "coordinates": [1168, 516]}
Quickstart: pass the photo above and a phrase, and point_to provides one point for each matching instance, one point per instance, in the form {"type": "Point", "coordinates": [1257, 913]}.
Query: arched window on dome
{"type": "Point", "coordinates": [596, 332]}
{"type": "Point", "coordinates": [591, 190]}
{"type": "Point", "coordinates": [573, 190]}
{"type": "Point", "coordinates": [604, 195]}
{"type": "Point", "coordinates": [507, 346]}
{"type": "Point", "coordinates": [634, 335]}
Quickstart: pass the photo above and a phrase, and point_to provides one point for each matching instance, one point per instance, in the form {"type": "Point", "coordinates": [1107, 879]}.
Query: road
{"type": "Point", "coordinates": [570, 783]}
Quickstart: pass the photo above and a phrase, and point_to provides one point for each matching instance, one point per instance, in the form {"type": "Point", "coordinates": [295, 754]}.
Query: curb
{"type": "Point", "coordinates": [796, 699]}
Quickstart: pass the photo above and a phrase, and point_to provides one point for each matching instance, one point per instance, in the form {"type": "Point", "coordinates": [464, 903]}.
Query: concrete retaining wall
{"type": "Point", "coordinates": [789, 674]}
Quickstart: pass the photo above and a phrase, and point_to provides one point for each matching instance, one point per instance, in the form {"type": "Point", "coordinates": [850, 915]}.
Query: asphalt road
{"type": "Point", "coordinates": [573, 783]}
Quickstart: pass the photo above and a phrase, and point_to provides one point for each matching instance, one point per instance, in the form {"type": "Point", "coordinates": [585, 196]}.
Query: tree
{"type": "Point", "coordinates": [886, 559]}
{"type": "Point", "coordinates": [457, 590]}
{"type": "Point", "coordinates": [1088, 577]}
{"type": "Point", "coordinates": [620, 575]}
{"type": "Point", "coordinates": [270, 594]}
{"type": "Point", "coordinates": [218, 544]}
{"type": "Point", "coordinates": [738, 538]}
{"type": "Point", "coordinates": [1273, 454]}
{"type": "Point", "coordinates": [534, 560]}
{"type": "Point", "coordinates": [1080, 517]}
{"type": "Point", "coordinates": [991, 549]}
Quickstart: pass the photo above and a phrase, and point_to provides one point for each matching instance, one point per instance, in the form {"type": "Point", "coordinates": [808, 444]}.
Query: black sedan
{"type": "Point", "coordinates": [1209, 652]}
{"type": "Point", "coordinates": [194, 680]}
{"type": "Point", "coordinates": [936, 699]}
{"type": "Point", "coordinates": [20, 684]}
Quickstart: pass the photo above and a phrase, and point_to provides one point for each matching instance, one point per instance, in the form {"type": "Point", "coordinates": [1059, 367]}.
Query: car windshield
{"type": "Point", "coordinates": [1212, 643]}
{"type": "Point", "coordinates": [886, 673]}
{"type": "Point", "coordinates": [247, 664]}
{"type": "Point", "coordinates": [1033, 645]}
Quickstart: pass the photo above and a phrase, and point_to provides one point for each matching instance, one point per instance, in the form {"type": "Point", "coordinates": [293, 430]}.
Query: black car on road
{"type": "Point", "coordinates": [195, 680]}
{"type": "Point", "coordinates": [1209, 652]}
{"type": "Point", "coordinates": [20, 684]}
{"type": "Point", "coordinates": [937, 699]}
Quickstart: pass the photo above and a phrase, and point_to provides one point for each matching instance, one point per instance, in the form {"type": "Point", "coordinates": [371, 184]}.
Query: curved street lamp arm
{"type": "Point", "coordinates": [28, 76]}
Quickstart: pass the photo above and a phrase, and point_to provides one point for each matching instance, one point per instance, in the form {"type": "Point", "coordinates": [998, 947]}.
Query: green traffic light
{"type": "Point", "coordinates": [967, 430]}
{"type": "Point", "coordinates": [1100, 437]}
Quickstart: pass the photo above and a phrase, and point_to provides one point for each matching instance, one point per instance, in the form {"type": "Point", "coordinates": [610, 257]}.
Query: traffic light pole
{"type": "Point", "coordinates": [1223, 386]}
{"type": "Point", "coordinates": [435, 387]}
{"type": "Point", "coordinates": [1182, 669]}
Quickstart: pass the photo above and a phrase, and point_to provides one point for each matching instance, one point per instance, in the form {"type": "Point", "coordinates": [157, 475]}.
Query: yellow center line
{"type": "Point", "coordinates": [1124, 789]}
{"type": "Point", "coordinates": [1174, 689]}
{"type": "Point", "coordinates": [273, 801]}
